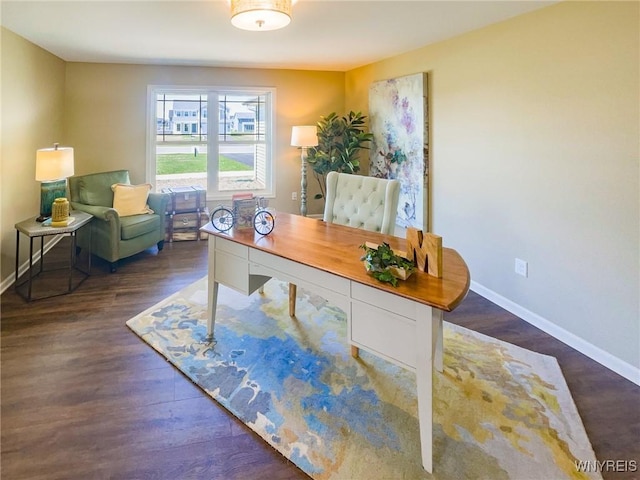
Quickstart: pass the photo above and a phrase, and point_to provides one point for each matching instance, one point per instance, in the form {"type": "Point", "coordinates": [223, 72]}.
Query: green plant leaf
{"type": "Point", "coordinates": [340, 141]}
{"type": "Point", "coordinates": [379, 260]}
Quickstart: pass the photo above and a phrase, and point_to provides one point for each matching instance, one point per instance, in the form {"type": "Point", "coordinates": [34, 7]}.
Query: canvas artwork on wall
{"type": "Point", "coordinates": [398, 119]}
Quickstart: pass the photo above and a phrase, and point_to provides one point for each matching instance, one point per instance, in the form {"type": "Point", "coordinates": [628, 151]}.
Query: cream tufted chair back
{"type": "Point", "coordinates": [362, 202]}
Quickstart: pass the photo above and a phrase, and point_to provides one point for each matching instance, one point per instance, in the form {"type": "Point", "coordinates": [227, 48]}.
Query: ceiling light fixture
{"type": "Point", "coordinates": [260, 15]}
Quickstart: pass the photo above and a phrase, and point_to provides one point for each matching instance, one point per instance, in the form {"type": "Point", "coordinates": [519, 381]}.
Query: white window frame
{"type": "Point", "coordinates": [212, 92]}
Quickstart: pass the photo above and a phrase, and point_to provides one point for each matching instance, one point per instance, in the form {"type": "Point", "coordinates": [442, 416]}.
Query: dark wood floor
{"type": "Point", "coordinates": [85, 398]}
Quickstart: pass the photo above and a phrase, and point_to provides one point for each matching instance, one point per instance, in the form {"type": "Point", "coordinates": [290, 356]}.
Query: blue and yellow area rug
{"type": "Point", "coordinates": [500, 412]}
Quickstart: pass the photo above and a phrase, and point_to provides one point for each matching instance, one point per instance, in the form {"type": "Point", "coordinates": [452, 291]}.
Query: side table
{"type": "Point", "coordinates": [33, 229]}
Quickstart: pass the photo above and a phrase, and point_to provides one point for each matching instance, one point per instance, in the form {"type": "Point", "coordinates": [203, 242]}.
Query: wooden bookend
{"type": "Point", "coordinates": [426, 251]}
{"type": "Point", "coordinates": [414, 248]}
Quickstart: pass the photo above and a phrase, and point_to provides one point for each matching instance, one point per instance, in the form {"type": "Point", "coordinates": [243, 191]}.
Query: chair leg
{"type": "Point", "coordinates": [160, 245]}
{"type": "Point", "coordinates": [114, 267]}
{"type": "Point", "coordinates": [292, 299]}
{"type": "Point", "coordinates": [355, 351]}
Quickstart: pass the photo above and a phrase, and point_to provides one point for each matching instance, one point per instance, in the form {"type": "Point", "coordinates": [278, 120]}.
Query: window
{"type": "Point", "coordinates": [230, 154]}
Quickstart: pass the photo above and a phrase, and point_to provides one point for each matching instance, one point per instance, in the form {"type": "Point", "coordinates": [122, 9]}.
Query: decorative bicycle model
{"type": "Point", "coordinates": [223, 218]}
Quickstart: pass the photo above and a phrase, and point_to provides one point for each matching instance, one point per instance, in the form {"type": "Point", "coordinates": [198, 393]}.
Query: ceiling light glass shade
{"type": "Point", "coordinates": [54, 163]}
{"type": "Point", "coordinates": [260, 15]}
{"type": "Point", "coordinates": [304, 136]}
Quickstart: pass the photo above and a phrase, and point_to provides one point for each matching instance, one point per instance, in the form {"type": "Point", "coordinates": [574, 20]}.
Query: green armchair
{"type": "Point", "coordinates": [114, 237]}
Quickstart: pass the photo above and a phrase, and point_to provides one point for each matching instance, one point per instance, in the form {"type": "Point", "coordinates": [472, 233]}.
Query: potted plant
{"type": "Point", "coordinates": [386, 265]}
{"type": "Point", "coordinates": [339, 141]}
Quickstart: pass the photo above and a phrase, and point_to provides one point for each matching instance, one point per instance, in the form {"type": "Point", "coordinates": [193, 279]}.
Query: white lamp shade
{"type": "Point", "coordinates": [260, 15]}
{"type": "Point", "coordinates": [54, 163]}
{"type": "Point", "coordinates": [304, 136]}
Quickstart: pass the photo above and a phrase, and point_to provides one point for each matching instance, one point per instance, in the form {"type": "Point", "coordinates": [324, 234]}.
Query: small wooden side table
{"type": "Point", "coordinates": [33, 229]}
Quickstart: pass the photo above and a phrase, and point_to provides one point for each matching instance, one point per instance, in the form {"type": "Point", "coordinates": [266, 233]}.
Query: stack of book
{"type": "Point", "coordinates": [244, 208]}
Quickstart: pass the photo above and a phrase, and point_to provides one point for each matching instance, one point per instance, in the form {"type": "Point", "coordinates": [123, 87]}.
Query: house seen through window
{"type": "Point", "coordinates": [225, 153]}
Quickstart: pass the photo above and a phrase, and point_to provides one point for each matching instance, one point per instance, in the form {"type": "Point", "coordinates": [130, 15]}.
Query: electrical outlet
{"type": "Point", "coordinates": [294, 196]}
{"type": "Point", "coordinates": [522, 267]}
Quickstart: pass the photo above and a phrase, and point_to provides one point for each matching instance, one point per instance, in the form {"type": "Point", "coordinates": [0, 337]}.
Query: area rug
{"type": "Point", "coordinates": [500, 412]}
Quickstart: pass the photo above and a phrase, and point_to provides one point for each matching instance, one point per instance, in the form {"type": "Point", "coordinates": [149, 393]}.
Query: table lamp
{"type": "Point", "coordinates": [53, 166]}
{"type": "Point", "coordinates": [304, 136]}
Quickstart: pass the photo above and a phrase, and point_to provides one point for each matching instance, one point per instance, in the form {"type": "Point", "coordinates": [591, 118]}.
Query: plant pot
{"type": "Point", "coordinates": [399, 273]}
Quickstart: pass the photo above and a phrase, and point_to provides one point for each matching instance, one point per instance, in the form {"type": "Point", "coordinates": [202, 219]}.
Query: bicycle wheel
{"type": "Point", "coordinates": [222, 219]}
{"type": "Point", "coordinates": [263, 222]}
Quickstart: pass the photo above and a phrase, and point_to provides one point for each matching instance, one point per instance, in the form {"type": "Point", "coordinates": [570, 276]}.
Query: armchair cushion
{"type": "Point", "coordinates": [135, 225]}
{"type": "Point", "coordinates": [131, 199]}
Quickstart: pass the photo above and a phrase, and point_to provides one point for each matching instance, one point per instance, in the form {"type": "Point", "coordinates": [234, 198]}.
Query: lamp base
{"type": "Point", "coordinates": [49, 191]}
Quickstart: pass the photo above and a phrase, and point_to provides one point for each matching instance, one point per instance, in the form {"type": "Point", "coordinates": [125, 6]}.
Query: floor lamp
{"type": "Point", "coordinates": [304, 137]}
{"type": "Point", "coordinates": [53, 166]}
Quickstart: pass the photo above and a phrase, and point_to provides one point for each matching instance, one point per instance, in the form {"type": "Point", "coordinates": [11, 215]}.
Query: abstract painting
{"type": "Point", "coordinates": [398, 119]}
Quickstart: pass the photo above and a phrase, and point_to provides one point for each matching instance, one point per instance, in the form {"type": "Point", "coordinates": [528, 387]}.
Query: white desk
{"type": "Point", "coordinates": [401, 324]}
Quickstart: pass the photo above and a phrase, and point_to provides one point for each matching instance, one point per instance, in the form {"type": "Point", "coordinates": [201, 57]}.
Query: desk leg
{"type": "Point", "coordinates": [437, 339]}
{"type": "Point", "coordinates": [212, 290]}
{"type": "Point", "coordinates": [424, 382]}
{"type": "Point", "coordinates": [212, 306]}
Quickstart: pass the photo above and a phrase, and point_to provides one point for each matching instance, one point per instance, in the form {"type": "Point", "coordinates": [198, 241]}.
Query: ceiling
{"type": "Point", "coordinates": [334, 35]}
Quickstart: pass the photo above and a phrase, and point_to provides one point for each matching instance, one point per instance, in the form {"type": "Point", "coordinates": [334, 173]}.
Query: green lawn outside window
{"type": "Point", "coordinates": [171, 163]}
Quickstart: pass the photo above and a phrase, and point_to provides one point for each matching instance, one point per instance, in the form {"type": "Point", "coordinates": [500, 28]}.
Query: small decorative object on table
{"type": "Point", "coordinates": [245, 212]}
{"type": "Point", "coordinates": [426, 249]}
{"type": "Point", "coordinates": [386, 265]}
{"type": "Point", "coordinates": [60, 213]}
{"type": "Point", "coordinates": [244, 207]}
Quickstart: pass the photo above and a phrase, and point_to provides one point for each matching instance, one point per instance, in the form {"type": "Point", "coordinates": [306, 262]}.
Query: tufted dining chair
{"type": "Point", "coordinates": [362, 202]}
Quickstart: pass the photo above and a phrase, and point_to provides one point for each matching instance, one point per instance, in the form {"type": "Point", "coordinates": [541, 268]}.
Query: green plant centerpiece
{"type": "Point", "coordinates": [339, 141]}
{"type": "Point", "coordinates": [386, 265]}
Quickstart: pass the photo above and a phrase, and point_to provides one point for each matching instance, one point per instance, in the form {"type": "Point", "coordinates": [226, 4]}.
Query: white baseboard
{"type": "Point", "coordinates": [25, 266]}
{"type": "Point", "coordinates": [604, 358]}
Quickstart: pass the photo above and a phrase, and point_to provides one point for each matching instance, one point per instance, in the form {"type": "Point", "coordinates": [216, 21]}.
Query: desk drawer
{"type": "Point", "coordinates": [232, 248]}
{"type": "Point", "coordinates": [299, 271]}
{"type": "Point", "coordinates": [384, 300]}
{"type": "Point", "coordinates": [384, 333]}
{"type": "Point", "coordinates": [232, 271]}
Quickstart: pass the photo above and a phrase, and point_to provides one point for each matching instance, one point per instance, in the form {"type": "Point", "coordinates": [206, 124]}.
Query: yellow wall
{"type": "Point", "coordinates": [535, 126]}
{"type": "Point", "coordinates": [32, 118]}
{"type": "Point", "coordinates": [106, 114]}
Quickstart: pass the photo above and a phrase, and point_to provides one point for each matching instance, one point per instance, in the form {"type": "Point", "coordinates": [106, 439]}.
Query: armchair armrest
{"type": "Point", "coordinates": [104, 235]}
{"type": "Point", "coordinates": [107, 214]}
{"type": "Point", "coordinates": [158, 202]}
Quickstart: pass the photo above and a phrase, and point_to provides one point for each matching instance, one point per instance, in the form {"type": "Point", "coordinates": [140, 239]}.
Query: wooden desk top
{"type": "Point", "coordinates": [336, 249]}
